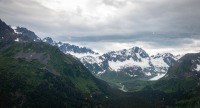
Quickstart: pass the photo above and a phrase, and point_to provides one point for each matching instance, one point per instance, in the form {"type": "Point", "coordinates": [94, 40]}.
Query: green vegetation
{"type": "Point", "coordinates": [137, 85]}
{"type": "Point", "coordinates": [37, 75]}
{"type": "Point", "coordinates": [114, 77]}
{"type": "Point", "coordinates": [27, 81]}
{"type": "Point", "coordinates": [65, 82]}
{"type": "Point", "coordinates": [175, 84]}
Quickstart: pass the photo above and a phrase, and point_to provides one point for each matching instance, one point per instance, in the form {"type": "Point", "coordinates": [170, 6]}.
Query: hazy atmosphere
{"type": "Point", "coordinates": [105, 25]}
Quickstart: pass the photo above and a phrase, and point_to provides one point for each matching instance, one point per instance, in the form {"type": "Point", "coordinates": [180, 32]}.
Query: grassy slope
{"type": "Point", "coordinates": [182, 82]}
{"type": "Point", "coordinates": [59, 83]}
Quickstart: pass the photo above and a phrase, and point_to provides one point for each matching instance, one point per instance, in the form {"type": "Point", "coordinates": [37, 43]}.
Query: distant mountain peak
{"type": "Point", "coordinates": [142, 52]}
{"type": "Point", "coordinates": [67, 48]}
{"type": "Point", "coordinates": [133, 62]}
{"type": "Point", "coordinates": [134, 53]}
{"type": "Point", "coordinates": [136, 49]}
{"type": "Point", "coordinates": [163, 55]}
{"type": "Point", "coordinates": [25, 32]}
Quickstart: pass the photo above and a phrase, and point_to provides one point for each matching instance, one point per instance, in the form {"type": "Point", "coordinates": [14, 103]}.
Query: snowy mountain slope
{"type": "Point", "coordinates": [134, 62]}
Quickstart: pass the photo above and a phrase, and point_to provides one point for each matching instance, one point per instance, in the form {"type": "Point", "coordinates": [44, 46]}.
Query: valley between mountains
{"type": "Point", "coordinates": [132, 63]}
{"type": "Point", "coordinates": [38, 73]}
{"type": "Point", "coordinates": [120, 66]}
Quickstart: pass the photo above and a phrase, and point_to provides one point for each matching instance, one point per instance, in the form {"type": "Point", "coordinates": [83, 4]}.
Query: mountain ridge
{"type": "Point", "coordinates": [36, 74]}
{"type": "Point", "coordinates": [120, 61]}
{"type": "Point", "coordinates": [133, 62]}
{"type": "Point", "coordinates": [71, 49]}
{"type": "Point", "coordinates": [92, 60]}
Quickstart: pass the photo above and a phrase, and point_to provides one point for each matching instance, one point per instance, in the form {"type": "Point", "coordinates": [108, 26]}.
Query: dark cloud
{"type": "Point", "coordinates": [158, 39]}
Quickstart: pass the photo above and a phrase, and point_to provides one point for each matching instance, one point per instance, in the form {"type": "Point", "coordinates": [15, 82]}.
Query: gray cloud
{"type": "Point", "coordinates": [131, 16]}
{"type": "Point", "coordinates": [175, 22]}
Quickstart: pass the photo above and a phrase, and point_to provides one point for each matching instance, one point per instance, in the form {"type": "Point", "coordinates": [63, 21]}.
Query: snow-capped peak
{"type": "Point", "coordinates": [140, 51]}
{"type": "Point", "coordinates": [134, 53]}
{"type": "Point", "coordinates": [168, 58]}
{"type": "Point", "coordinates": [134, 62]}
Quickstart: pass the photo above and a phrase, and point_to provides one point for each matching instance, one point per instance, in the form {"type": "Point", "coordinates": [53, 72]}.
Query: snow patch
{"type": "Point", "coordinates": [17, 40]}
{"type": "Point", "coordinates": [14, 28]}
{"type": "Point", "coordinates": [159, 62]}
{"type": "Point", "coordinates": [128, 63]}
{"type": "Point", "coordinates": [80, 55]}
{"type": "Point", "coordinates": [44, 40]}
{"type": "Point", "coordinates": [148, 73]}
{"type": "Point", "coordinates": [157, 77]}
{"type": "Point", "coordinates": [123, 88]}
{"type": "Point", "coordinates": [198, 67]}
{"type": "Point", "coordinates": [59, 44]}
{"type": "Point", "coordinates": [100, 72]}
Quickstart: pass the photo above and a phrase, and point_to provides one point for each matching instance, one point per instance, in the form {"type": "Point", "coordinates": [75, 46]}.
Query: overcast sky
{"type": "Point", "coordinates": [162, 24]}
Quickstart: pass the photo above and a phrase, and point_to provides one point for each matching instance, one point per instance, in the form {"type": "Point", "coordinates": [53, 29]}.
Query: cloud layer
{"type": "Point", "coordinates": [164, 23]}
{"type": "Point", "coordinates": [102, 17]}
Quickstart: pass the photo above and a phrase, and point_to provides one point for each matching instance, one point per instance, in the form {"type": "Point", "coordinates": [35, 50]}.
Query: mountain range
{"type": "Point", "coordinates": [74, 50]}
{"type": "Point", "coordinates": [129, 63]}
{"type": "Point", "coordinates": [36, 74]}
